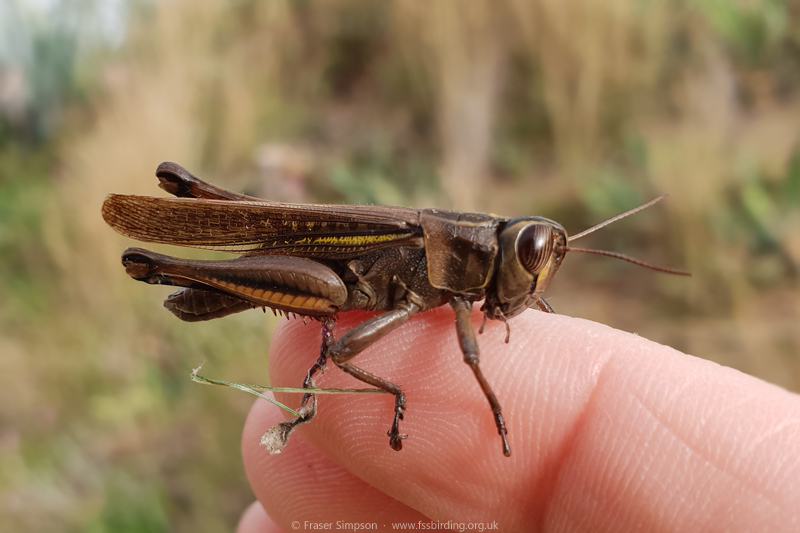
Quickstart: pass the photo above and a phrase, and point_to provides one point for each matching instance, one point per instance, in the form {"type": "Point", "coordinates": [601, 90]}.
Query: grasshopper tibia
{"type": "Point", "coordinates": [469, 347]}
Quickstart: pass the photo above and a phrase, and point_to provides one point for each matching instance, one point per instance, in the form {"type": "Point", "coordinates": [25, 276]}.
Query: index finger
{"type": "Point", "coordinates": [607, 429]}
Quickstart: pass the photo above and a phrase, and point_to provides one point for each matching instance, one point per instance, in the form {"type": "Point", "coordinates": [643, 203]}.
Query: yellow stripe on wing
{"type": "Point", "coordinates": [351, 240]}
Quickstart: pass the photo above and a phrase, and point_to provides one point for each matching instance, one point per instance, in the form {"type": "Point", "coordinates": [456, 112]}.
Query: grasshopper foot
{"type": "Point", "coordinates": [395, 437]}
{"type": "Point", "coordinates": [502, 431]}
{"type": "Point", "coordinates": [277, 437]}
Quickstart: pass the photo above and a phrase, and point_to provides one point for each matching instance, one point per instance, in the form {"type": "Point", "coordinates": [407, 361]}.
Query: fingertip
{"type": "Point", "coordinates": [668, 441]}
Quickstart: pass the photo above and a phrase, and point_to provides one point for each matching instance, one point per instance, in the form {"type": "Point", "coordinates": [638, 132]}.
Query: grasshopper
{"type": "Point", "coordinates": [319, 260]}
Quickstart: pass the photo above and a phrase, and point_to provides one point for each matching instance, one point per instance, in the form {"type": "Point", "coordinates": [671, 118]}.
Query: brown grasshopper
{"type": "Point", "coordinates": [319, 260]}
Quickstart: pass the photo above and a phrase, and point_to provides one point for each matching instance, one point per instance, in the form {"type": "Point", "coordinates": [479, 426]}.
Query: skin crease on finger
{"type": "Point", "coordinates": [609, 432]}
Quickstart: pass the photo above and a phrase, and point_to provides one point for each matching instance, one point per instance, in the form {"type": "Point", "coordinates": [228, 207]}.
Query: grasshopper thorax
{"type": "Point", "coordinates": [531, 250]}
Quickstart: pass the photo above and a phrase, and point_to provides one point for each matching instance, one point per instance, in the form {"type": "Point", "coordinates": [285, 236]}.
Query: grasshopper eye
{"type": "Point", "coordinates": [535, 246]}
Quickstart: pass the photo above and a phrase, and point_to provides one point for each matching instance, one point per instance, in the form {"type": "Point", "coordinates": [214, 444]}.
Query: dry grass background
{"type": "Point", "coordinates": [574, 110]}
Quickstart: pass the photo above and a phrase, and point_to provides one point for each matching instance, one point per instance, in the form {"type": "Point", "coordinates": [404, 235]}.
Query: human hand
{"type": "Point", "coordinates": [608, 432]}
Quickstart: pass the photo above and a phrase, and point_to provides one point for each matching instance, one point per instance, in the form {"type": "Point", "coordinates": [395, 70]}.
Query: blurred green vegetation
{"type": "Point", "coordinates": [572, 110]}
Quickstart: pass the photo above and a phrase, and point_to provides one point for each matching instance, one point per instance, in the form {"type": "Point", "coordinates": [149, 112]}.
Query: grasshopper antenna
{"type": "Point", "coordinates": [617, 255]}
{"type": "Point", "coordinates": [614, 219]}
{"type": "Point", "coordinates": [633, 260]}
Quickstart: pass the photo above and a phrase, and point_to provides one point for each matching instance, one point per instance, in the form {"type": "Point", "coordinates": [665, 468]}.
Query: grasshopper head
{"type": "Point", "coordinates": [531, 250]}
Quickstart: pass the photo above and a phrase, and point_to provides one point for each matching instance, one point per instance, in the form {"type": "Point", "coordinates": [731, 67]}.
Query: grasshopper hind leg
{"type": "Point", "coordinates": [277, 437]}
{"type": "Point", "coordinates": [328, 324]}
